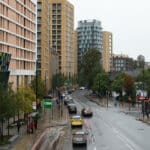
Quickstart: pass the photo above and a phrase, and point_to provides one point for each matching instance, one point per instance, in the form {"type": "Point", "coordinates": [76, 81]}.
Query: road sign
{"type": "Point", "coordinates": [47, 103]}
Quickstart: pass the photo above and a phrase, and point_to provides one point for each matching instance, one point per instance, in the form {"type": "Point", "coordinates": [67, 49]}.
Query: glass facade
{"type": "Point", "coordinates": [89, 36]}
{"type": "Point", "coordinates": [4, 65]}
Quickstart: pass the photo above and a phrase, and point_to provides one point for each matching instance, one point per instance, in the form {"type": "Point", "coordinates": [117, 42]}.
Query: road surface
{"type": "Point", "coordinates": [110, 129]}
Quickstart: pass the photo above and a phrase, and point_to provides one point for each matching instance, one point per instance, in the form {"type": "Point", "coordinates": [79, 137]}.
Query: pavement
{"type": "Point", "coordinates": [50, 119]}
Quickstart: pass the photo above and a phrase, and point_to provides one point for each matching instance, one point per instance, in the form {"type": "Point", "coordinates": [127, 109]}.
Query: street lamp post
{"type": "Point", "coordinates": [36, 83]}
{"type": "Point", "coordinates": [107, 94]}
{"type": "Point", "coordinates": [143, 80]}
{"type": "Point", "coordinates": [143, 101]}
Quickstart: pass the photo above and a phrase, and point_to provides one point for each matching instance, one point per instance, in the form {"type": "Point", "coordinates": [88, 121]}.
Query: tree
{"type": "Point", "coordinates": [144, 77]}
{"type": "Point", "coordinates": [58, 80]}
{"type": "Point", "coordinates": [117, 84]}
{"type": "Point", "coordinates": [38, 86]}
{"type": "Point", "coordinates": [24, 98]}
{"type": "Point", "coordinates": [89, 67]}
{"type": "Point", "coordinates": [147, 81]}
{"type": "Point", "coordinates": [129, 86]}
{"type": "Point", "coordinates": [7, 105]}
{"type": "Point", "coordinates": [124, 83]}
{"type": "Point", "coordinates": [11, 107]}
{"type": "Point", "coordinates": [3, 107]}
{"type": "Point", "coordinates": [101, 83]}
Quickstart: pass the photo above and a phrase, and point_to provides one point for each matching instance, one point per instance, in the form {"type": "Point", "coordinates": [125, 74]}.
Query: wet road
{"type": "Point", "coordinates": [110, 129]}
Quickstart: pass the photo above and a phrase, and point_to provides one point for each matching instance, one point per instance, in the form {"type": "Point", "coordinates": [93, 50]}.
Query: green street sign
{"type": "Point", "coordinates": [47, 103]}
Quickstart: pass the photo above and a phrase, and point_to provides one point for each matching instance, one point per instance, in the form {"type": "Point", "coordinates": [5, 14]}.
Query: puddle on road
{"type": "Point", "coordinates": [104, 147]}
{"type": "Point", "coordinates": [141, 129]}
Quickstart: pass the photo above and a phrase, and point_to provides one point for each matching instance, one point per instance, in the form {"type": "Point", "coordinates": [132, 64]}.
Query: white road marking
{"type": "Point", "coordinates": [94, 148]}
{"type": "Point", "coordinates": [124, 139]}
{"type": "Point", "coordinates": [131, 145]}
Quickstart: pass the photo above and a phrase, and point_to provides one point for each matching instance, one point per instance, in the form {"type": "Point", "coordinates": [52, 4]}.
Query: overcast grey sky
{"type": "Point", "coordinates": [128, 20]}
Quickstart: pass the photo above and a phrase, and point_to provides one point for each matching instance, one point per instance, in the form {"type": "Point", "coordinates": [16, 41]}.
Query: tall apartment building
{"type": "Point", "coordinates": [122, 63]}
{"type": "Point", "coordinates": [89, 36]}
{"type": "Point", "coordinates": [17, 37]}
{"type": "Point", "coordinates": [55, 37]}
{"type": "Point", "coordinates": [107, 51]}
{"type": "Point", "coordinates": [75, 53]}
{"type": "Point", "coordinates": [61, 34]}
{"type": "Point", "coordinates": [43, 49]}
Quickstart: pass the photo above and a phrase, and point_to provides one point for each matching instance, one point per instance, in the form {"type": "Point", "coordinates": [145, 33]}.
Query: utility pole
{"type": "Point", "coordinates": [36, 83]}
{"type": "Point", "coordinates": [107, 94]}
{"type": "Point", "coordinates": [143, 102]}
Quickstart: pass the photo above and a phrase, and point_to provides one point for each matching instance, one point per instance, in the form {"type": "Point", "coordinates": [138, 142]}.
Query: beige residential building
{"type": "Point", "coordinates": [61, 34]}
{"type": "Point", "coordinates": [75, 54]}
{"type": "Point", "coordinates": [17, 37]}
{"type": "Point", "coordinates": [55, 37]}
{"type": "Point", "coordinates": [107, 51]}
{"type": "Point", "coordinates": [54, 65]}
{"type": "Point", "coordinates": [43, 49]}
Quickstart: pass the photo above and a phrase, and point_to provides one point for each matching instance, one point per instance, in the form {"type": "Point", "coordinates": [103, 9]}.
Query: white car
{"type": "Point", "coordinates": [79, 138]}
{"type": "Point", "coordinates": [82, 88]}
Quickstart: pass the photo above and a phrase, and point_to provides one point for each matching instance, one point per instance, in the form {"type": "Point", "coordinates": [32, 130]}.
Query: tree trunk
{"type": "Point", "coordinates": [2, 129]}
{"type": "Point", "coordinates": [14, 119]}
{"type": "Point", "coordinates": [8, 126]}
{"type": "Point", "coordinates": [18, 115]}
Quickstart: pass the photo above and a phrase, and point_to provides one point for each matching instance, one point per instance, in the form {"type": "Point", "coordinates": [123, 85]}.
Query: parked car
{"type": "Point", "coordinates": [82, 88]}
{"type": "Point", "coordinates": [72, 108]}
{"type": "Point", "coordinates": [68, 101]}
{"type": "Point", "coordinates": [86, 112]}
{"type": "Point", "coordinates": [76, 121]}
{"type": "Point", "coordinates": [79, 138]}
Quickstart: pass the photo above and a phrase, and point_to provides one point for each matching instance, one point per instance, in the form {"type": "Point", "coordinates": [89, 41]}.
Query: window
{"type": "Point", "coordinates": [59, 17]}
{"type": "Point", "coordinates": [58, 21]}
{"type": "Point", "coordinates": [54, 21]}
{"type": "Point", "coordinates": [38, 28]}
{"type": "Point", "coordinates": [59, 32]}
{"type": "Point", "coordinates": [54, 32]}
{"type": "Point", "coordinates": [54, 27]}
{"type": "Point", "coordinates": [1, 22]}
{"type": "Point", "coordinates": [59, 11]}
{"type": "Point", "coordinates": [24, 65]}
{"type": "Point", "coordinates": [39, 13]}
{"type": "Point", "coordinates": [38, 35]}
{"type": "Point", "coordinates": [54, 17]}
{"type": "Point", "coordinates": [58, 26]}
{"type": "Point", "coordinates": [39, 5]}
{"type": "Point", "coordinates": [59, 6]}
{"type": "Point", "coordinates": [54, 6]}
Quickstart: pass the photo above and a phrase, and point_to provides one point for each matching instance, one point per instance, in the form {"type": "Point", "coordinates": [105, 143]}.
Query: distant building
{"type": "Point", "coordinates": [55, 39]}
{"type": "Point", "coordinates": [17, 37]}
{"type": "Point", "coordinates": [54, 66]}
{"type": "Point", "coordinates": [62, 34]}
{"type": "Point", "coordinates": [122, 63]}
{"type": "Point", "coordinates": [89, 36]}
{"type": "Point", "coordinates": [75, 54]}
{"type": "Point", "coordinates": [107, 59]}
{"type": "Point", "coordinates": [140, 61]}
{"type": "Point", "coordinates": [140, 58]}
{"type": "Point", "coordinates": [43, 47]}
